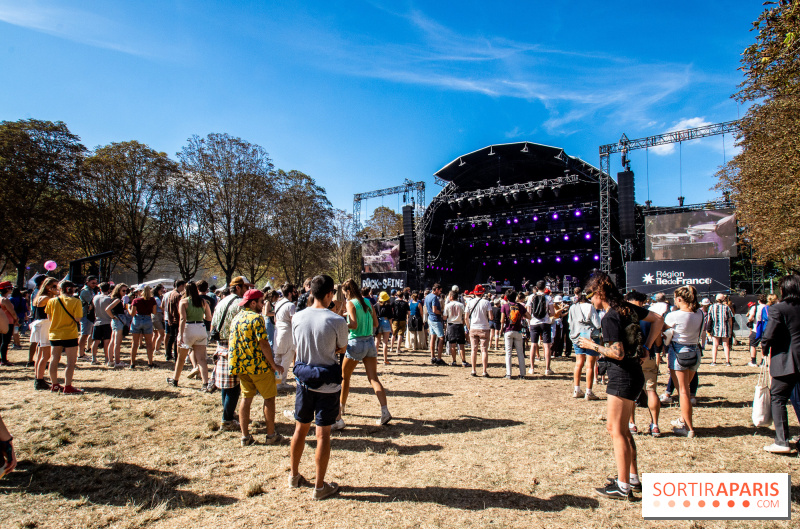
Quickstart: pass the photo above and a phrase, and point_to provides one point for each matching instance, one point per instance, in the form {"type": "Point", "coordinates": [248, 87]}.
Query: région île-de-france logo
{"type": "Point", "coordinates": [648, 278]}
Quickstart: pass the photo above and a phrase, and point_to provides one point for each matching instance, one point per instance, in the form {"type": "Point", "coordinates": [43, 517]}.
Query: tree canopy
{"type": "Point", "coordinates": [764, 179]}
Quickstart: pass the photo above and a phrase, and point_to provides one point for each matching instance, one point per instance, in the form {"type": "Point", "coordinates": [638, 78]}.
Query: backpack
{"type": "Point", "coordinates": [514, 314]}
{"type": "Point", "coordinates": [539, 307]}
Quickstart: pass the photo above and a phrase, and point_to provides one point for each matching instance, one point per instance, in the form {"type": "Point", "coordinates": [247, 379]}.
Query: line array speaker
{"type": "Point", "coordinates": [408, 230]}
{"type": "Point", "coordinates": [627, 207]}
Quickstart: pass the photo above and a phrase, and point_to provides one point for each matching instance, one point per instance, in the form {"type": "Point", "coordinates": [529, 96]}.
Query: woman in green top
{"type": "Point", "coordinates": [362, 321]}
{"type": "Point", "coordinates": [192, 334]}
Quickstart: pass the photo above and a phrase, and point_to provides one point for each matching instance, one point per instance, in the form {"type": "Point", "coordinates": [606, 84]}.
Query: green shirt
{"type": "Point", "coordinates": [244, 352]}
{"type": "Point", "coordinates": [364, 319]}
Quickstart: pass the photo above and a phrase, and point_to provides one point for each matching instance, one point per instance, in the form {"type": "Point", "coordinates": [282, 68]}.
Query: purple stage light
{"type": "Point", "coordinates": [499, 263]}
{"type": "Point", "coordinates": [575, 258]}
{"type": "Point", "coordinates": [535, 218]}
{"type": "Point", "coordinates": [558, 259]}
{"type": "Point", "coordinates": [490, 224]}
{"type": "Point", "coordinates": [555, 216]}
{"type": "Point", "coordinates": [484, 264]}
{"type": "Point", "coordinates": [487, 244]}
{"type": "Point", "coordinates": [470, 246]}
{"type": "Point", "coordinates": [578, 213]}
{"type": "Point", "coordinates": [455, 227]}
{"type": "Point", "coordinates": [516, 221]}
{"type": "Point", "coordinates": [527, 241]}
{"type": "Point", "coordinates": [532, 261]}
{"type": "Point", "coordinates": [473, 224]}
{"type": "Point", "coordinates": [587, 236]}
{"type": "Point", "coordinates": [596, 257]}
{"type": "Point", "coordinates": [566, 237]}
{"type": "Point", "coordinates": [503, 242]}
{"type": "Point", "coordinates": [520, 241]}
{"type": "Point", "coordinates": [515, 261]}
{"type": "Point", "coordinates": [547, 239]}
{"type": "Point", "coordinates": [539, 260]}
{"type": "Point", "coordinates": [508, 221]}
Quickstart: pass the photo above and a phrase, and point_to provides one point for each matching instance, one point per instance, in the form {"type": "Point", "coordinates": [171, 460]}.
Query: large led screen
{"type": "Point", "coordinates": [380, 256]}
{"type": "Point", "coordinates": [691, 235]}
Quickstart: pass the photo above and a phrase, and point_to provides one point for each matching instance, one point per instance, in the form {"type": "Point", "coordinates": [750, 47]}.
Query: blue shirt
{"type": "Point", "coordinates": [431, 301]}
{"type": "Point", "coordinates": [414, 308]}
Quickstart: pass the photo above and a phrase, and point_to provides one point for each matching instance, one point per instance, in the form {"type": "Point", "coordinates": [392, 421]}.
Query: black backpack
{"type": "Point", "coordinates": [540, 307]}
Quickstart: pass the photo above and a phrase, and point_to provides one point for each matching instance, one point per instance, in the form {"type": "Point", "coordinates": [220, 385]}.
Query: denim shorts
{"type": "Point", "coordinates": [86, 326]}
{"type": "Point", "coordinates": [672, 359]}
{"type": "Point", "coordinates": [142, 325]}
{"type": "Point", "coordinates": [360, 348]}
{"type": "Point", "coordinates": [581, 351]}
{"type": "Point", "coordinates": [384, 325]}
{"type": "Point", "coordinates": [437, 328]}
{"type": "Point", "coordinates": [117, 325]}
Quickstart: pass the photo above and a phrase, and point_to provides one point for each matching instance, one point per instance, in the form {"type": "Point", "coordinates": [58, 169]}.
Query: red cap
{"type": "Point", "coordinates": [250, 295]}
{"type": "Point", "coordinates": [749, 304]}
{"type": "Point", "coordinates": [5, 284]}
{"type": "Point", "coordinates": [479, 290]}
{"type": "Point", "coordinates": [466, 292]}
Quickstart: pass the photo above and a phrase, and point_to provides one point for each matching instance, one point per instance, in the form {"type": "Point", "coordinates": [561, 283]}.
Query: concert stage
{"type": "Point", "coordinates": [512, 211]}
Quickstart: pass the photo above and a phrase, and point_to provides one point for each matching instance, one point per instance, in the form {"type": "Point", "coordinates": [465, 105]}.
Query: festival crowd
{"type": "Point", "coordinates": [322, 331]}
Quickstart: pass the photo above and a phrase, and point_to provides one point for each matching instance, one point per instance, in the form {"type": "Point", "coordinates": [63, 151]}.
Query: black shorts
{"type": "Point", "coordinates": [541, 329]}
{"type": "Point", "coordinates": [754, 342]}
{"type": "Point", "coordinates": [101, 332]}
{"type": "Point", "coordinates": [309, 404]}
{"type": "Point", "coordinates": [73, 342]}
{"type": "Point", "coordinates": [455, 333]}
{"type": "Point", "coordinates": [625, 379]}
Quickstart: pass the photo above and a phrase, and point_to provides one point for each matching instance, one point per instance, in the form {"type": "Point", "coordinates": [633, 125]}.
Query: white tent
{"type": "Point", "coordinates": [164, 281]}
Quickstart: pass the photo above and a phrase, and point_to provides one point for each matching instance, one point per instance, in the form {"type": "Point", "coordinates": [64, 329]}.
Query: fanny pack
{"type": "Point", "coordinates": [315, 376]}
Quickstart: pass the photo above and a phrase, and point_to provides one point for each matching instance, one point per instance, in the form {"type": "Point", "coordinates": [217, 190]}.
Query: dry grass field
{"type": "Point", "coordinates": [461, 452]}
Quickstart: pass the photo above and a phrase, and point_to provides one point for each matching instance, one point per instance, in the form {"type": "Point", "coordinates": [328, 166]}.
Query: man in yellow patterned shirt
{"type": "Point", "coordinates": [250, 358]}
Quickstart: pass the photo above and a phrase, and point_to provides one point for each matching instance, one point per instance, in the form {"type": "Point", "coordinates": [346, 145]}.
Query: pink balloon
{"type": "Point", "coordinates": [50, 266]}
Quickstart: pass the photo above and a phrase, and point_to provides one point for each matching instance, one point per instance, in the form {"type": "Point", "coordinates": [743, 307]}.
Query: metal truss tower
{"type": "Point", "coordinates": [624, 145]}
{"type": "Point", "coordinates": [406, 189]}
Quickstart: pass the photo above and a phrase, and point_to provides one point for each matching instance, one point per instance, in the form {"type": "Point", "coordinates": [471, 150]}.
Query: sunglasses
{"type": "Point", "coordinates": [589, 295]}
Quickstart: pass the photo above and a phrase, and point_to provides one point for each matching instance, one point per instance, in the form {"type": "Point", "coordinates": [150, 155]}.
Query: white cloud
{"type": "Point", "coordinates": [80, 26]}
{"type": "Point", "coordinates": [690, 123]}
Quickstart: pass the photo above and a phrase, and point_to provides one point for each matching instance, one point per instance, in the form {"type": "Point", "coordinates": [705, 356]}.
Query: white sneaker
{"type": "Point", "coordinates": [577, 393]}
{"type": "Point", "coordinates": [665, 399]}
{"type": "Point", "coordinates": [682, 431]}
{"type": "Point", "coordinates": [778, 449]}
{"type": "Point", "coordinates": [713, 364]}
{"type": "Point", "coordinates": [549, 372]}
{"type": "Point", "coordinates": [289, 414]}
{"type": "Point", "coordinates": [338, 425]}
{"type": "Point", "coordinates": [752, 364]}
{"type": "Point", "coordinates": [678, 423]}
{"type": "Point", "coordinates": [120, 365]}
{"type": "Point", "coordinates": [110, 364]}
{"type": "Point", "coordinates": [590, 395]}
{"type": "Point", "coordinates": [385, 418]}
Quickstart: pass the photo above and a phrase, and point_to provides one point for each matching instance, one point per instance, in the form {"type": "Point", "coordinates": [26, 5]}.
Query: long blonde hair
{"type": "Point", "coordinates": [43, 289]}
{"type": "Point", "coordinates": [146, 292]}
{"type": "Point", "coordinates": [689, 295]}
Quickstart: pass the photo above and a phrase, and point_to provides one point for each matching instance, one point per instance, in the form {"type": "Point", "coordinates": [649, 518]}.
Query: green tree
{"type": "Point", "coordinates": [40, 166]}
{"type": "Point", "coordinates": [345, 256]}
{"type": "Point", "coordinates": [235, 179]}
{"type": "Point", "coordinates": [764, 178]}
{"type": "Point", "coordinates": [186, 231]}
{"type": "Point", "coordinates": [384, 222]}
{"type": "Point", "coordinates": [134, 179]}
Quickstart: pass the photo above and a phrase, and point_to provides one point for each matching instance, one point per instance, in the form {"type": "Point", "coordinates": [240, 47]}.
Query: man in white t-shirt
{"type": "Point", "coordinates": [753, 319]}
{"type": "Point", "coordinates": [540, 308]}
{"type": "Point", "coordinates": [478, 318]}
{"type": "Point", "coordinates": [284, 350]}
{"type": "Point", "coordinates": [456, 337]}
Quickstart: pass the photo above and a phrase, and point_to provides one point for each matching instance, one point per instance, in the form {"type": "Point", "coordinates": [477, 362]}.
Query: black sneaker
{"type": "Point", "coordinates": [611, 490]}
{"type": "Point", "coordinates": [434, 362]}
{"type": "Point", "coordinates": [172, 382]}
{"type": "Point", "coordinates": [637, 487]}
{"type": "Point", "coordinates": [41, 384]}
{"type": "Point", "coordinates": [453, 364]}
{"type": "Point", "coordinates": [466, 364]}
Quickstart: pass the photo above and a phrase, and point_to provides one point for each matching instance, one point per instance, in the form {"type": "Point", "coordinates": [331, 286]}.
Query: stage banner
{"type": "Point", "coordinates": [385, 281]}
{"type": "Point", "coordinates": [708, 276]}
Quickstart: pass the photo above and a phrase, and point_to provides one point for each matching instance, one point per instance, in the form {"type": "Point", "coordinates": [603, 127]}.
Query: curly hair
{"type": "Point", "coordinates": [600, 282]}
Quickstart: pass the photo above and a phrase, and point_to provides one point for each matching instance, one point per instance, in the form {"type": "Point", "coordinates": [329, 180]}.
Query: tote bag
{"type": "Point", "coordinates": [762, 408]}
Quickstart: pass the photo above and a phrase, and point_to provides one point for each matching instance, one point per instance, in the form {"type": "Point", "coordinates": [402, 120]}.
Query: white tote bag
{"type": "Point", "coordinates": [762, 401]}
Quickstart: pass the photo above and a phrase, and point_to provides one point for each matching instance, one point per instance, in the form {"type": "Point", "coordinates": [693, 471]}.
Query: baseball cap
{"type": "Point", "coordinates": [455, 288]}
{"type": "Point", "coordinates": [705, 302]}
{"type": "Point", "coordinates": [250, 295]}
{"type": "Point", "coordinates": [239, 281]}
{"type": "Point", "coordinates": [479, 290]}
{"type": "Point", "coordinates": [720, 297]}
{"type": "Point", "coordinates": [5, 284]}
{"type": "Point", "coordinates": [558, 299]}
{"type": "Point", "coordinates": [467, 293]}
{"type": "Point", "coordinates": [751, 304]}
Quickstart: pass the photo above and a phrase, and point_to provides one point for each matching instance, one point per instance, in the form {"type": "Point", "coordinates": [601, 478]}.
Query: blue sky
{"type": "Point", "coordinates": [361, 95]}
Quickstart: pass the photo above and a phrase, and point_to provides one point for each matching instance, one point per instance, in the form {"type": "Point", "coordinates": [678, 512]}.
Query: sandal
{"type": "Point", "coordinates": [486, 375]}
{"type": "Point", "coordinates": [473, 374]}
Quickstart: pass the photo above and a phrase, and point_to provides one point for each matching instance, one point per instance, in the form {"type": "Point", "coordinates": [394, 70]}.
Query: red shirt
{"type": "Point", "coordinates": [144, 307]}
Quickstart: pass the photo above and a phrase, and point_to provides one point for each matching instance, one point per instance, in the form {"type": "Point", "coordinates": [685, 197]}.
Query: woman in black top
{"type": "Point", "coordinates": [623, 347]}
